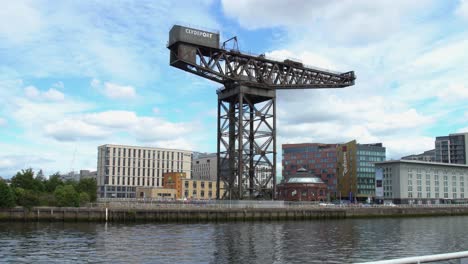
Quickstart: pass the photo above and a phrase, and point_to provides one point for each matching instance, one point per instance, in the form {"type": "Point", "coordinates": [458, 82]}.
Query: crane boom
{"type": "Point", "coordinates": [227, 67]}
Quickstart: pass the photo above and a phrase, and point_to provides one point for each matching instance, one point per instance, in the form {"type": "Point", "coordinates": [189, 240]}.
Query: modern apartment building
{"type": "Point", "coordinates": [318, 159]}
{"type": "Point", "coordinates": [120, 169]}
{"type": "Point", "coordinates": [356, 170]}
{"type": "Point", "coordinates": [452, 148]}
{"type": "Point", "coordinates": [428, 156]}
{"type": "Point", "coordinates": [204, 166]}
{"type": "Point", "coordinates": [419, 182]}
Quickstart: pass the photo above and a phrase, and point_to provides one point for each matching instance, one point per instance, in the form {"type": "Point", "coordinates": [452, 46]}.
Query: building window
{"type": "Point", "coordinates": [194, 184]}
{"type": "Point", "coordinates": [186, 184]}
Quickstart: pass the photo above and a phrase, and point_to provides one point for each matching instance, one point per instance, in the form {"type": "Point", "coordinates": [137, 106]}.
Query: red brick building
{"type": "Point", "coordinates": [302, 186]}
{"type": "Point", "coordinates": [317, 159]}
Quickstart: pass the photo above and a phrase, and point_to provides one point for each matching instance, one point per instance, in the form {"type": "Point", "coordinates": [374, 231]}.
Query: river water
{"type": "Point", "coordinates": [315, 241]}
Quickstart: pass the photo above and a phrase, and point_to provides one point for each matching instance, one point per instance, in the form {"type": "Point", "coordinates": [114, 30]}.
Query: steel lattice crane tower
{"type": "Point", "coordinates": [246, 105]}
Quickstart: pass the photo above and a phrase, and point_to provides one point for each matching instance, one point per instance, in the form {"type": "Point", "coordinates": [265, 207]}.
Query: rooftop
{"type": "Point", "coordinates": [304, 180]}
{"type": "Point", "coordinates": [423, 163]}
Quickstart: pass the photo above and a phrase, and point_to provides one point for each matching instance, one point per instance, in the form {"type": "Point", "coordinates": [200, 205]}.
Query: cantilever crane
{"type": "Point", "coordinates": [246, 106]}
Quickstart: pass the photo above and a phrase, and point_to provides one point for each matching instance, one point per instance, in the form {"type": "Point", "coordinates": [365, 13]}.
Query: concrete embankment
{"type": "Point", "coordinates": [216, 214]}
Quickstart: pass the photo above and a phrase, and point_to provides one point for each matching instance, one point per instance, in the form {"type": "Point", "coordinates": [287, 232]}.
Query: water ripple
{"type": "Point", "coordinates": [330, 241]}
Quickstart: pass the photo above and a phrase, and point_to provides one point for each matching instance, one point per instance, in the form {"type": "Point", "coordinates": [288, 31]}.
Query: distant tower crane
{"type": "Point", "coordinates": [246, 105]}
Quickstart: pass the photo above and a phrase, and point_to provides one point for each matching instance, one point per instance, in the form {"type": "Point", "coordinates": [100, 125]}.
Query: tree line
{"type": "Point", "coordinates": [27, 189]}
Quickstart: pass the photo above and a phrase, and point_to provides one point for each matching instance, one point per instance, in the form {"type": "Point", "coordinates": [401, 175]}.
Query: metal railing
{"type": "Point", "coordinates": [146, 203]}
{"type": "Point", "coordinates": [462, 256]}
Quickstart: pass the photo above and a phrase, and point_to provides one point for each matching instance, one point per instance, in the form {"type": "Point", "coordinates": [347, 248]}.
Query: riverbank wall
{"type": "Point", "coordinates": [216, 214]}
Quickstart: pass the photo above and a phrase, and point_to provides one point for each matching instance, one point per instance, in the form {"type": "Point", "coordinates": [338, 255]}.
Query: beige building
{"type": "Point", "coordinates": [155, 193]}
{"type": "Point", "coordinates": [120, 169]}
{"type": "Point", "coordinates": [199, 189]}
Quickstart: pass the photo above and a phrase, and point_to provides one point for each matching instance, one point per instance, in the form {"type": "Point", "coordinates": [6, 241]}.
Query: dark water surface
{"type": "Point", "coordinates": [316, 241]}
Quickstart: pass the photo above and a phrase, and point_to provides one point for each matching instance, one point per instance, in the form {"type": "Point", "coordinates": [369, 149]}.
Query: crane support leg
{"type": "Point", "coordinates": [246, 143]}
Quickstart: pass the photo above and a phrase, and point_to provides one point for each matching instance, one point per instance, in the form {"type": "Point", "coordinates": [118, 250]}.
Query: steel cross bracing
{"type": "Point", "coordinates": [246, 147]}
{"type": "Point", "coordinates": [247, 111]}
{"type": "Point", "coordinates": [231, 66]}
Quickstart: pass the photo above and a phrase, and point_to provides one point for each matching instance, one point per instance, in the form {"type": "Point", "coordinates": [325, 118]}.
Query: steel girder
{"type": "Point", "coordinates": [246, 146]}
{"type": "Point", "coordinates": [229, 67]}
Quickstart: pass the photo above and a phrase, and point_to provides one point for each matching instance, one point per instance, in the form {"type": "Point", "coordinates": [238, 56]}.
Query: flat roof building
{"type": "Point", "coordinates": [204, 166]}
{"type": "Point", "coordinates": [428, 156]}
{"type": "Point", "coordinates": [318, 159]}
{"type": "Point", "coordinates": [452, 148]}
{"type": "Point", "coordinates": [419, 182]}
{"type": "Point", "coordinates": [120, 168]}
{"type": "Point", "coordinates": [356, 171]}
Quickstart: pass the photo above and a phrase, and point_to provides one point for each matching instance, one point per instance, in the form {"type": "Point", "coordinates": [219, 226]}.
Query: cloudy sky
{"type": "Point", "coordinates": [78, 74]}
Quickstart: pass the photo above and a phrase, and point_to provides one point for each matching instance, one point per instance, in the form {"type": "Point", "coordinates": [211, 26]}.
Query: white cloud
{"type": "Point", "coordinates": [116, 91]}
{"type": "Point", "coordinates": [71, 130]}
{"type": "Point", "coordinates": [398, 147]}
{"type": "Point", "coordinates": [54, 95]}
{"type": "Point", "coordinates": [306, 57]}
{"type": "Point", "coordinates": [76, 39]}
{"type": "Point", "coordinates": [19, 21]}
{"type": "Point", "coordinates": [449, 55]}
{"type": "Point", "coordinates": [31, 92]}
{"type": "Point", "coordinates": [453, 92]}
{"type": "Point", "coordinates": [112, 119]}
{"type": "Point", "coordinates": [10, 164]}
{"type": "Point", "coordinates": [462, 10]}
{"type": "Point", "coordinates": [6, 163]}
{"type": "Point", "coordinates": [50, 95]}
{"type": "Point", "coordinates": [101, 125]}
{"type": "Point", "coordinates": [345, 21]}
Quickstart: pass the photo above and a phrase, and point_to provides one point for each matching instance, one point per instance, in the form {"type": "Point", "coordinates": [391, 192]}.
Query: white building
{"type": "Point", "coordinates": [410, 181]}
{"type": "Point", "coordinates": [120, 169]}
{"type": "Point", "coordinates": [204, 166]}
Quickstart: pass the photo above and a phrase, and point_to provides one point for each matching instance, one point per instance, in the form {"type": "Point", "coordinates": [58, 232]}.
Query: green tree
{"type": "Point", "coordinates": [26, 198]}
{"type": "Point", "coordinates": [52, 183]}
{"type": "Point", "coordinates": [88, 186]}
{"type": "Point", "coordinates": [66, 195]}
{"type": "Point", "coordinates": [47, 199]}
{"type": "Point", "coordinates": [84, 198]}
{"type": "Point", "coordinates": [7, 197]}
{"type": "Point", "coordinates": [24, 180]}
{"type": "Point", "coordinates": [72, 183]}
